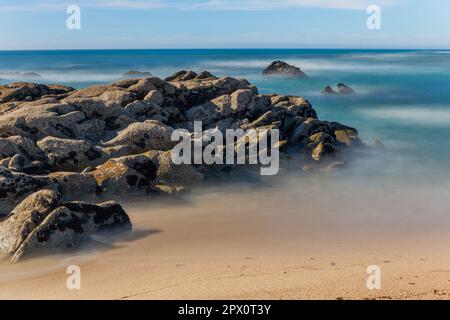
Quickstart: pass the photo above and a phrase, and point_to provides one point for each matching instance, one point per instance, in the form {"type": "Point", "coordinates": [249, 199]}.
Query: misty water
{"type": "Point", "coordinates": [403, 99]}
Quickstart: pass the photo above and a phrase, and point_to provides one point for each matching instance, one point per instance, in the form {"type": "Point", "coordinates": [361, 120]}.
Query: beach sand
{"type": "Point", "coordinates": [243, 242]}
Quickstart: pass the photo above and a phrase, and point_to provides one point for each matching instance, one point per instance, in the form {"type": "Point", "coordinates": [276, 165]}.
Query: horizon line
{"type": "Point", "coordinates": [224, 48]}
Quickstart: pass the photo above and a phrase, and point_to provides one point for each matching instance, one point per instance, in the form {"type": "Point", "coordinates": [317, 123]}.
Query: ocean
{"type": "Point", "coordinates": [403, 96]}
{"type": "Point", "coordinates": [293, 235]}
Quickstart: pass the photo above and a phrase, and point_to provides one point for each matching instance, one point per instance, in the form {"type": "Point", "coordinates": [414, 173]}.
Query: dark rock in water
{"type": "Point", "coordinates": [281, 68]}
{"type": "Point", "coordinates": [136, 75]}
{"type": "Point", "coordinates": [342, 89]}
{"type": "Point", "coordinates": [328, 91]}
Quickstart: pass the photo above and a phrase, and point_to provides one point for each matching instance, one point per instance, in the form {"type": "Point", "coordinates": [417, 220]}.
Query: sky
{"type": "Point", "coordinates": [148, 24]}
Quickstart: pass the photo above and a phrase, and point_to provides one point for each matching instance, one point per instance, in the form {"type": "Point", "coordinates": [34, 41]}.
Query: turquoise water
{"type": "Point", "coordinates": [403, 97]}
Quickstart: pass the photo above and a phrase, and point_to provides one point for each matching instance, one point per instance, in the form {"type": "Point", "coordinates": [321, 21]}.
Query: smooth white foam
{"type": "Point", "coordinates": [420, 115]}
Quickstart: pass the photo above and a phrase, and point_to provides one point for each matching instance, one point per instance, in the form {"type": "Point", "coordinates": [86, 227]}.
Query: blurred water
{"type": "Point", "coordinates": [403, 96]}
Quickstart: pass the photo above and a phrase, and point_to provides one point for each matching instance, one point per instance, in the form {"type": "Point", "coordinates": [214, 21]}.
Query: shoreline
{"type": "Point", "coordinates": [216, 246]}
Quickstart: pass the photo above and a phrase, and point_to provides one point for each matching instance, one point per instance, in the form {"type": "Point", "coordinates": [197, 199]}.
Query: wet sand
{"type": "Point", "coordinates": [309, 240]}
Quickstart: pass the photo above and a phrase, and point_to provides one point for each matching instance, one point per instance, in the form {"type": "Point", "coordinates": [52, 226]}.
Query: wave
{"type": "Point", "coordinates": [441, 52]}
{"type": "Point", "coordinates": [420, 115]}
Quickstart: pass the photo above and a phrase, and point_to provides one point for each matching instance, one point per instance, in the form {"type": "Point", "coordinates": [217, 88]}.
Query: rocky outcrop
{"type": "Point", "coordinates": [24, 91]}
{"type": "Point", "coordinates": [59, 145]}
{"type": "Point", "coordinates": [281, 68]}
{"type": "Point", "coordinates": [342, 89]}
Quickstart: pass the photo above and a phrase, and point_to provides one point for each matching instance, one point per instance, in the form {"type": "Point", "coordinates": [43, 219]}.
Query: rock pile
{"type": "Point", "coordinates": [59, 145]}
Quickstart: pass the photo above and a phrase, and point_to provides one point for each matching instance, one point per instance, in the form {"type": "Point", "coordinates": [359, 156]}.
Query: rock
{"type": "Point", "coordinates": [205, 75]}
{"type": "Point", "coordinates": [19, 163]}
{"type": "Point", "coordinates": [329, 91]}
{"type": "Point", "coordinates": [70, 155]}
{"type": "Point", "coordinates": [154, 96]}
{"type": "Point", "coordinates": [146, 110]}
{"type": "Point", "coordinates": [74, 185]}
{"type": "Point", "coordinates": [115, 177]}
{"type": "Point", "coordinates": [170, 173]}
{"type": "Point", "coordinates": [342, 89]}
{"type": "Point", "coordinates": [19, 91]}
{"type": "Point", "coordinates": [144, 136]}
{"type": "Point", "coordinates": [307, 128]}
{"type": "Point", "coordinates": [14, 145]}
{"type": "Point", "coordinates": [136, 74]}
{"type": "Point", "coordinates": [42, 224]}
{"type": "Point", "coordinates": [322, 150]}
{"type": "Point", "coordinates": [108, 94]}
{"type": "Point", "coordinates": [208, 113]}
{"type": "Point", "coordinates": [281, 68]}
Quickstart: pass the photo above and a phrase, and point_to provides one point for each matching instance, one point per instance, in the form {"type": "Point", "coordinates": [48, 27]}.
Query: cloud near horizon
{"type": "Point", "coordinates": [224, 5]}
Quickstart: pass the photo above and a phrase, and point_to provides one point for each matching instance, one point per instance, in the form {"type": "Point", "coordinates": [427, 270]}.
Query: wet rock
{"type": "Point", "coordinates": [25, 218]}
{"type": "Point", "coordinates": [146, 110]}
{"type": "Point", "coordinates": [344, 134]}
{"type": "Point", "coordinates": [329, 91]}
{"type": "Point", "coordinates": [281, 68]}
{"type": "Point", "coordinates": [342, 89]}
{"type": "Point", "coordinates": [19, 91]}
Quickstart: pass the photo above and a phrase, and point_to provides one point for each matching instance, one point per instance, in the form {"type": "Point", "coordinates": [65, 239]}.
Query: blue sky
{"type": "Point", "coordinates": [33, 24]}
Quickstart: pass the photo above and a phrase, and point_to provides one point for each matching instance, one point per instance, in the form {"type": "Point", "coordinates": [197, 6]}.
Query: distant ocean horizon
{"type": "Point", "coordinates": [403, 95]}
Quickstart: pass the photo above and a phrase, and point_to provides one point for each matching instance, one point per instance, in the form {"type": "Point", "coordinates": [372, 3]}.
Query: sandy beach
{"type": "Point", "coordinates": [244, 243]}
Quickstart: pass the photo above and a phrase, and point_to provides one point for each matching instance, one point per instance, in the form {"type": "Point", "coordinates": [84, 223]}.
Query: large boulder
{"type": "Point", "coordinates": [70, 155]}
{"type": "Point", "coordinates": [42, 224]}
{"type": "Point", "coordinates": [144, 136]}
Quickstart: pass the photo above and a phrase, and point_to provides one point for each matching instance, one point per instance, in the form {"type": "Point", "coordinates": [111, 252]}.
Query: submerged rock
{"type": "Point", "coordinates": [281, 68]}
{"type": "Point", "coordinates": [342, 89]}
{"type": "Point", "coordinates": [24, 91]}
